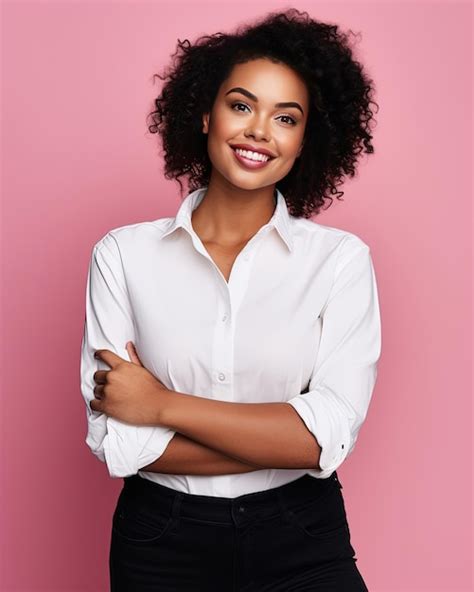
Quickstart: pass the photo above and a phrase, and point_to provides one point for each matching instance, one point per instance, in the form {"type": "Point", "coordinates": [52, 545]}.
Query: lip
{"type": "Point", "coordinates": [250, 164]}
{"type": "Point", "coordinates": [254, 149]}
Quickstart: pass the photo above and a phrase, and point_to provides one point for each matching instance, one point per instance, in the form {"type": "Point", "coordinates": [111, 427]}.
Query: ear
{"type": "Point", "coordinates": [205, 123]}
{"type": "Point", "coordinates": [300, 151]}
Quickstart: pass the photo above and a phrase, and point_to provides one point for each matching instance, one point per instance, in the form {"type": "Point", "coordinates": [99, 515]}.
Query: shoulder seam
{"type": "Point", "coordinates": [360, 247]}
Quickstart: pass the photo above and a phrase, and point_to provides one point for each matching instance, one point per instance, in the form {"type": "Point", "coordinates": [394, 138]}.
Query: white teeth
{"type": "Point", "coordinates": [252, 155]}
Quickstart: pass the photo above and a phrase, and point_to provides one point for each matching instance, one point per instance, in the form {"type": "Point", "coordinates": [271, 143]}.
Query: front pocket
{"type": "Point", "coordinates": [322, 518]}
{"type": "Point", "coordinates": [137, 524]}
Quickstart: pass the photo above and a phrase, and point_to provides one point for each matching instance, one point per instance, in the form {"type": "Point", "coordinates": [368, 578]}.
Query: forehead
{"type": "Point", "coordinates": [269, 81]}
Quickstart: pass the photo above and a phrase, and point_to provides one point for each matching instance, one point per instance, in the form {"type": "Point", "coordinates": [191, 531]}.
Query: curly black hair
{"type": "Point", "coordinates": [340, 94]}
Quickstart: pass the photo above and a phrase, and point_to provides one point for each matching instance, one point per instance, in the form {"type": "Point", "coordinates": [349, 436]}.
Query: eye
{"type": "Point", "coordinates": [234, 104]}
{"type": "Point", "coordinates": [291, 118]}
{"type": "Point", "coordinates": [292, 121]}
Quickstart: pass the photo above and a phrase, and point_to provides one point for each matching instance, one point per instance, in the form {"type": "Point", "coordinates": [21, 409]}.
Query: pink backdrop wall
{"type": "Point", "coordinates": [77, 161]}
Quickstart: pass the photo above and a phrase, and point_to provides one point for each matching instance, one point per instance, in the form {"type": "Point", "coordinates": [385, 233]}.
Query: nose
{"type": "Point", "coordinates": [258, 130]}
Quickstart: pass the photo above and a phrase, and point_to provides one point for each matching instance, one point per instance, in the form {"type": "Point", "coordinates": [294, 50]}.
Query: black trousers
{"type": "Point", "coordinates": [293, 538]}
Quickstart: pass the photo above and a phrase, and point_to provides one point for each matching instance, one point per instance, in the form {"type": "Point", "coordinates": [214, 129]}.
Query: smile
{"type": "Point", "coordinates": [251, 160]}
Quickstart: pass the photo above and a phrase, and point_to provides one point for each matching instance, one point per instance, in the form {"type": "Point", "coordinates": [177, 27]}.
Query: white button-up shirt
{"type": "Point", "coordinates": [297, 322]}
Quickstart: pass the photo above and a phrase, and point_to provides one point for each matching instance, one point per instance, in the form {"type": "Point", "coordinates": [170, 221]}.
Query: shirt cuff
{"type": "Point", "coordinates": [128, 447]}
{"type": "Point", "coordinates": [324, 417]}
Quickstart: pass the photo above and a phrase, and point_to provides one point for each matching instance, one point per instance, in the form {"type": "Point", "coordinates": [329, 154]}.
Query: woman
{"type": "Point", "coordinates": [237, 342]}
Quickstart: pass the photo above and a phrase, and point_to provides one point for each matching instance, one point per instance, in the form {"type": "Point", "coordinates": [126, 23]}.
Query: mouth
{"type": "Point", "coordinates": [251, 160]}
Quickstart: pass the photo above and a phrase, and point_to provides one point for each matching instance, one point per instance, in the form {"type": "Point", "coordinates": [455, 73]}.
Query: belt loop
{"type": "Point", "coordinates": [336, 478]}
{"type": "Point", "coordinates": [282, 504]}
{"type": "Point", "coordinates": [177, 504]}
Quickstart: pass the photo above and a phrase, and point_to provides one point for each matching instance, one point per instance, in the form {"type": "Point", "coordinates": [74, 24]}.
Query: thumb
{"type": "Point", "coordinates": [132, 352]}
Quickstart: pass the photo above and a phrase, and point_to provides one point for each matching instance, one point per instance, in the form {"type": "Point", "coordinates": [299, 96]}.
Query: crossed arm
{"type": "Point", "coordinates": [245, 438]}
{"type": "Point", "coordinates": [184, 456]}
{"type": "Point", "coordinates": [217, 437]}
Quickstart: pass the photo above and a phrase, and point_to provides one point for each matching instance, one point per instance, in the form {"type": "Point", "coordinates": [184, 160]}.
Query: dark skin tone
{"type": "Point", "coordinates": [238, 202]}
{"type": "Point", "coordinates": [224, 437]}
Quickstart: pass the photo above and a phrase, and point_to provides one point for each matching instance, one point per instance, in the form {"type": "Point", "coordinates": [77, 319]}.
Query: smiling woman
{"type": "Point", "coordinates": [257, 330]}
{"type": "Point", "coordinates": [266, 135]}
{"type": "Point", "coordinates": [287, 85]}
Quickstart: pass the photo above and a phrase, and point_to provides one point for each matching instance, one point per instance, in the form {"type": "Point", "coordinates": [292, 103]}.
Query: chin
{"type": "Point", "coordinates": [250, 184]}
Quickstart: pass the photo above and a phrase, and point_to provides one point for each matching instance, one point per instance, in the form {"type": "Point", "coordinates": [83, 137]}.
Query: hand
{"type": "Point", "coordinates": [128, 392]}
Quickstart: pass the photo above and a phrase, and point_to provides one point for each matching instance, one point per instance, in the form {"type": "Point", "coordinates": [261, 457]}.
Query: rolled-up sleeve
{"type": "Point", "coordinates": [125, 448]}
{"type": "Point", "coordinates": [345, 371]}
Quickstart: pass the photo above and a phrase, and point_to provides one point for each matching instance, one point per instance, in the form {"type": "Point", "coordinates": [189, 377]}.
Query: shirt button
{"type": "Point", "coordinates": [224, 318]}
{"type": "Point", "coordinates": [241, 509]}
{"type": "Point", "coordinates": [221, 376]}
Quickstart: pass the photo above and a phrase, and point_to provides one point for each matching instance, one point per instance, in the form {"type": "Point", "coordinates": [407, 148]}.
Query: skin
{"type": "Point", "coordinates": [226, 437]}
{"type": "Point", "coordinates": [238, 202]}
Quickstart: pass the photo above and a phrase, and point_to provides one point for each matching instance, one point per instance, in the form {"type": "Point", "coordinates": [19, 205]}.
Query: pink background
{"type": "Point", "coordinates": [78, 160]}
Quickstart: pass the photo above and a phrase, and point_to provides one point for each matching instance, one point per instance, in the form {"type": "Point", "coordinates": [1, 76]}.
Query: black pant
{"type": "Point", "coordinates": [293, 538]}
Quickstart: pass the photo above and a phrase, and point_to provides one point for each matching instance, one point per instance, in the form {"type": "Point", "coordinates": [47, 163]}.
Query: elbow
{"type": "Point", "coordinates": [95, 446]}
{"type": "Point", "coordinates": [308, 448]}
{"type": "Point", "coordinates": [313, 453]}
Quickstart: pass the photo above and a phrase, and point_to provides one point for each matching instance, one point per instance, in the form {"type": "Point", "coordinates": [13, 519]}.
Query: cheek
{"type": "Point", "coordinates": [220, 133]}
{"type": "Point", "coordinates": [288, 151]}
{"type": "Point", "coordinates": [219, 154]}
{"type": "Point", "coordinates": [289, 144]}
{"type": "Point", "coordinates": [223, 123]}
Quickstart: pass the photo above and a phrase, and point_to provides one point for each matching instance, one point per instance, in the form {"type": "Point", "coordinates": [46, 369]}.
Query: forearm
{"type": "Point", "coordinates": [263, 434]}
{"type": "Point", "coordinates": [184, 456]}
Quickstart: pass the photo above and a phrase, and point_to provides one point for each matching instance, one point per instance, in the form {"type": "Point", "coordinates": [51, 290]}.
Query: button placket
{"type": "Point", "coordinates": [222, 348]}
{"type": "Point", "coordinates": [230, 296]}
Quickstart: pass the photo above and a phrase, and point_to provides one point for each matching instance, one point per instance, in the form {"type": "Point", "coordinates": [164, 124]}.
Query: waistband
{"type": "Point", "coordinates": [222, 510]}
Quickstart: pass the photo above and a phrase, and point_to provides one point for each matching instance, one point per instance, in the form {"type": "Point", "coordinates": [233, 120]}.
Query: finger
{"type": "Point", "coordinates": [133, 353]}
{"type": "Point", "coordinates": [98, 391]}
{"type": "Point", "coordinates": [95, 405]}
{"type": "Point", "coordinates": [109, 357]}
{"type": "Point", "coordinates": [100, 376]}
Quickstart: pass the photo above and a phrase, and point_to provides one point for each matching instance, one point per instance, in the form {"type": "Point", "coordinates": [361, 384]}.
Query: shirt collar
{"type": "Point", "coordinates": [280, 220]}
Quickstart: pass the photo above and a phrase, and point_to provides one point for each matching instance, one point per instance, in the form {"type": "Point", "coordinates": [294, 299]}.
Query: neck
{"type": "Point", "coordinates": [230, 216]}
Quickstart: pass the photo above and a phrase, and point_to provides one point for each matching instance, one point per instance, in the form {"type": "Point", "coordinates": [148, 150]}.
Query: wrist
{"type": "Point", "coordinates": [165, 399]}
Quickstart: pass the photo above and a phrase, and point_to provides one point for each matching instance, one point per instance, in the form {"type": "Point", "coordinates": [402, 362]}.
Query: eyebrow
{"type": "Point", "coordinates": [250, 95]}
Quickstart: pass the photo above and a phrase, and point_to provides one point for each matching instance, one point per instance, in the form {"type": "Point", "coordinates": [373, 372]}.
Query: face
{"type": "Point", "coordinates": [252, 116]}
